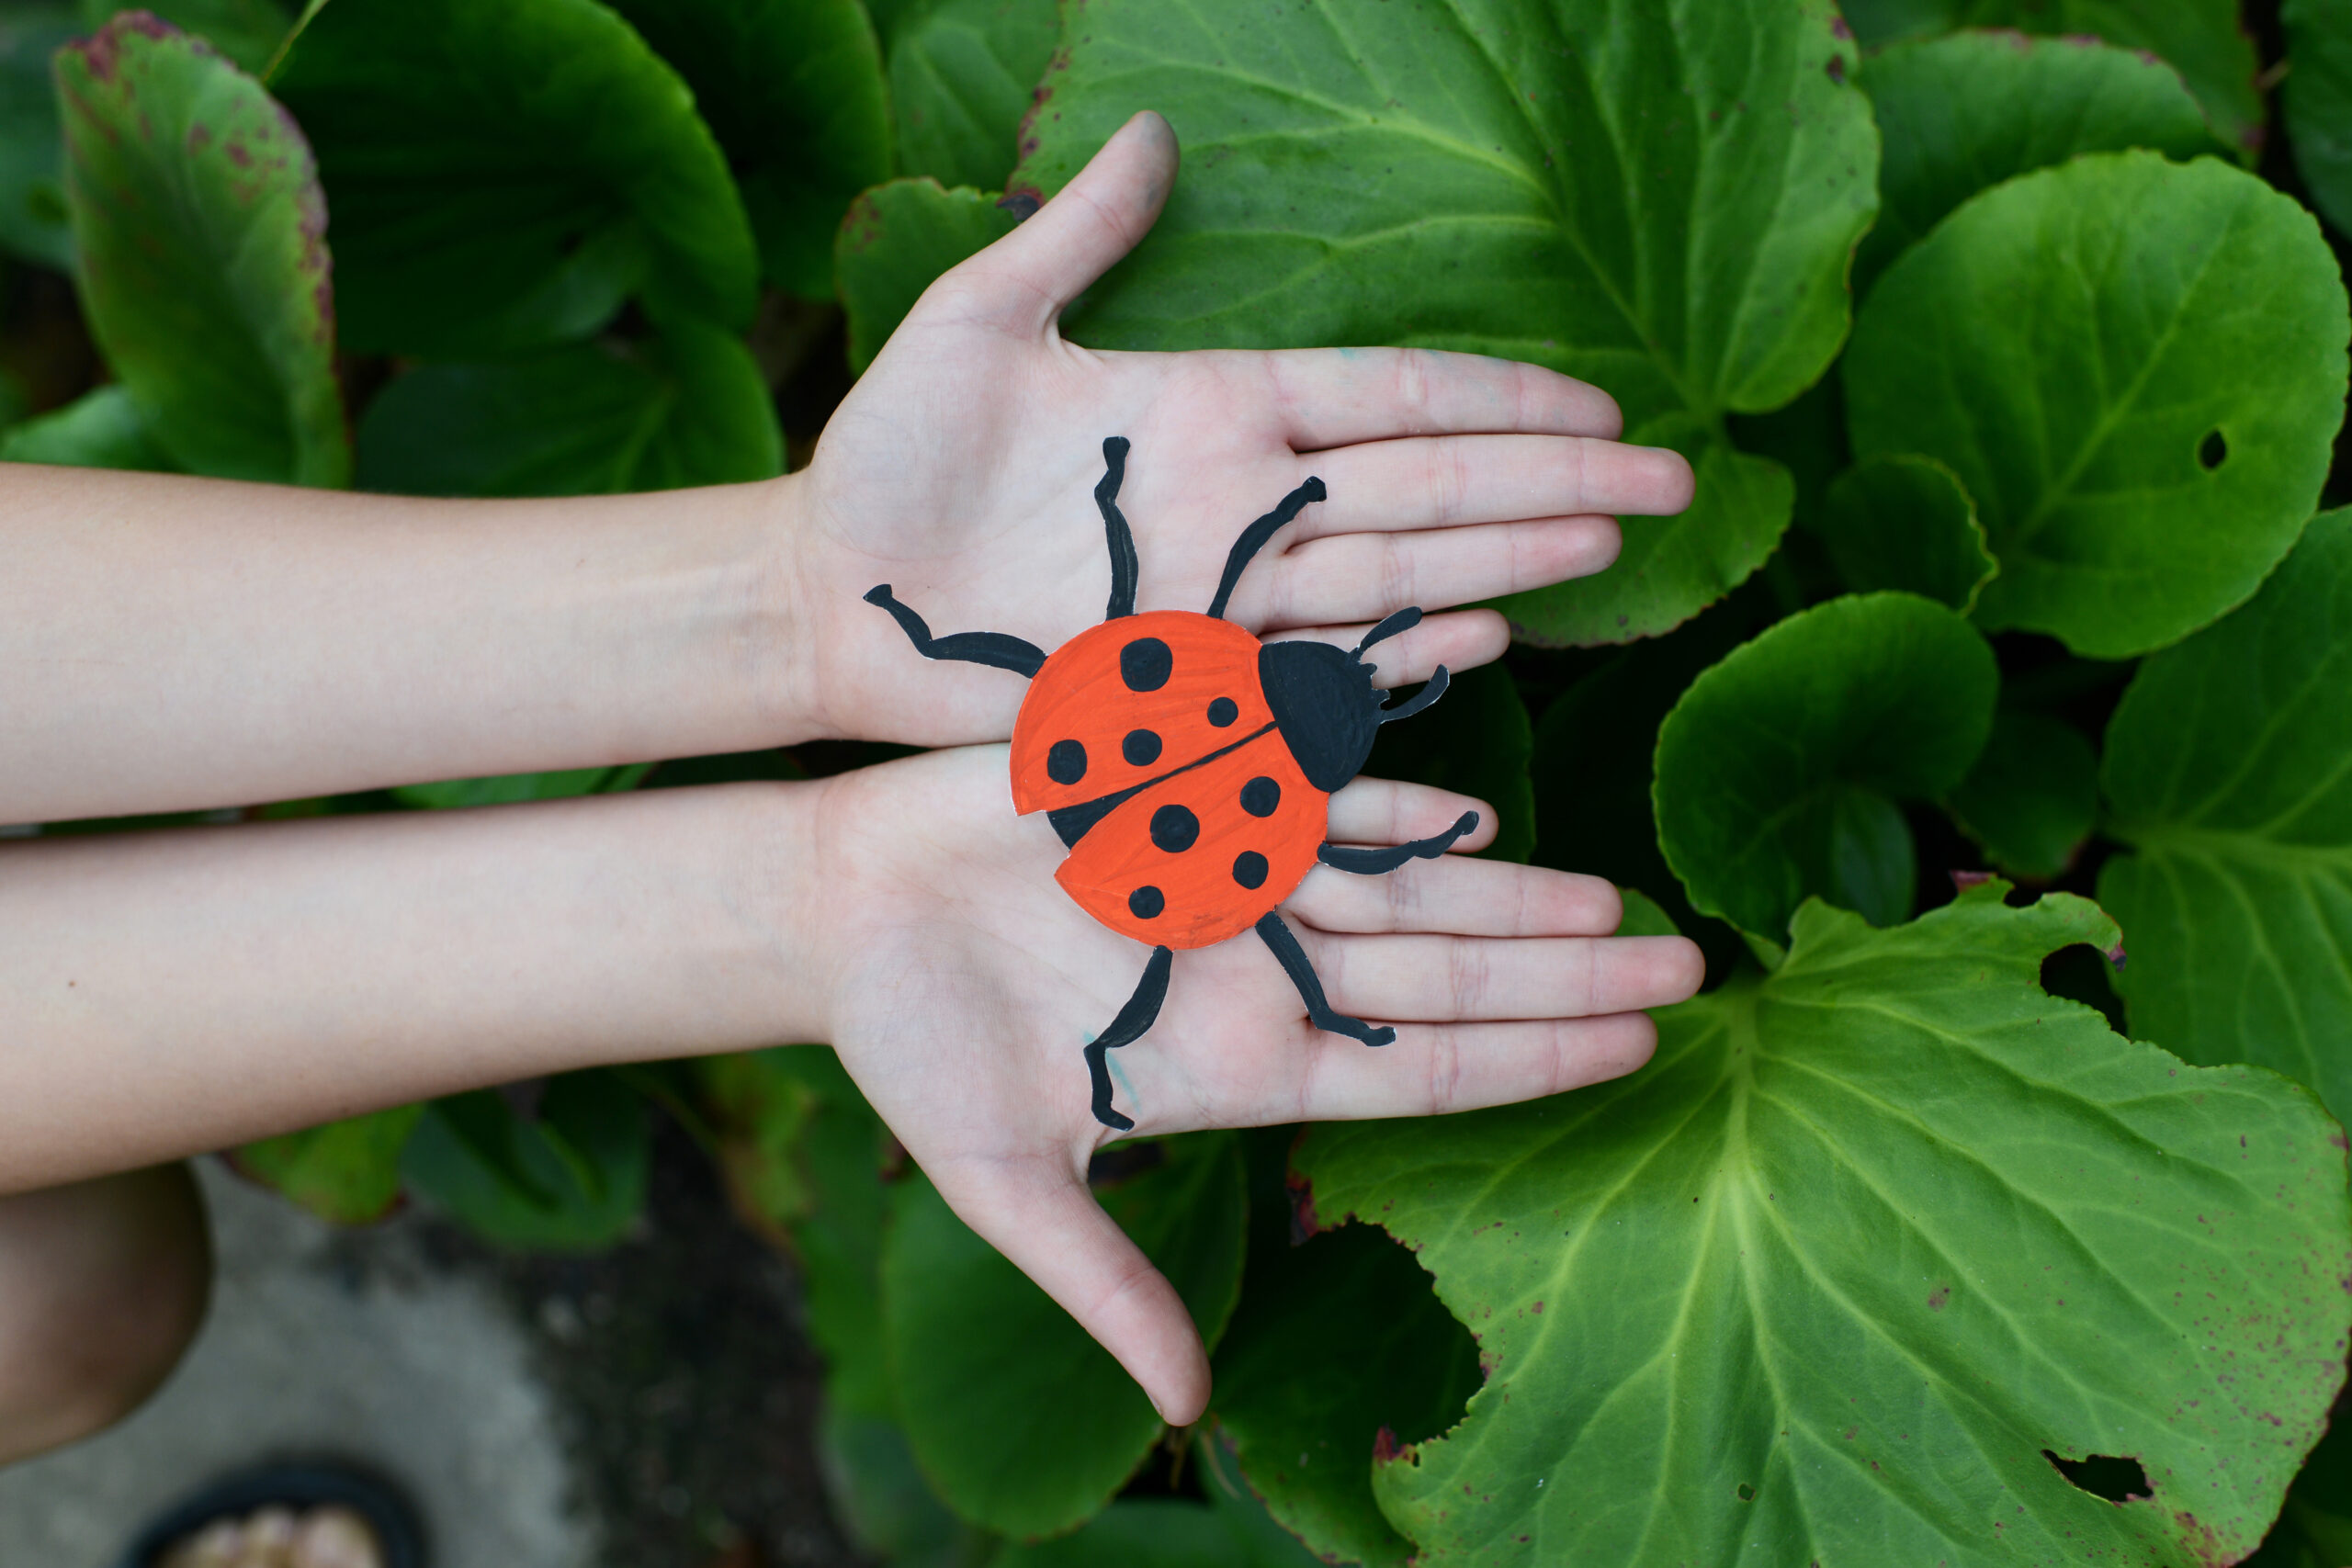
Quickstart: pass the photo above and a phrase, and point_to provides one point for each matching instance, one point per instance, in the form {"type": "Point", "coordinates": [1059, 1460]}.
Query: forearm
{"type": "Point", "coordinates": [162, 994]}
{"type": "Point", "coordinates": [170, 643]}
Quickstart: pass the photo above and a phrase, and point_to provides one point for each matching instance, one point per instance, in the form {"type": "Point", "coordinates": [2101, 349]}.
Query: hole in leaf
{"type": "Point", "coordinates": [2083, 974]}
{"type": "Point", "coordinates": [1747, 1492]}
{"type": "Point", "coordinates": [2117, 1479]}
{"type": "Point", "coordinates": [2213, 450]}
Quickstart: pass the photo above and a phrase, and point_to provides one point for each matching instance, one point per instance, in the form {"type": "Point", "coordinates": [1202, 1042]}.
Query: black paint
{"type": "Point", "coordinates": [1146, 903]}
{"type": "Point", "coordinates": [1249, 869]}
{"type": "Point", "coordinates": [1223, 711]}
{"type": "Point", "coordinates": [1373, 862]}
{"type": "Point", "coordinates": [1140, 1012]}
{"type": "Point", "coordinates": [1323, 703]}
{"type": "Point", "coordinates": [996, 650]}
{"type": "Point", "coordinates": [1253, 539]}
{"type": "Point", "coordinates": [1174, 828]}
{"type": "Point", "coordinates": [1260, 796]}
{"type": "Point", "coordinates": [1292, 958]}
{"type": "Point", "coordinates": [1065, 761]}
{"type": "Point", "coordinates": [1141, 748]}
{"type": "Point", "coordinates": [1122, 539]}
{"type": "Point", "coordinates": [1145, 664]}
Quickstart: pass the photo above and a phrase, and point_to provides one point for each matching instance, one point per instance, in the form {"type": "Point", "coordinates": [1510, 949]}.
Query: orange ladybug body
{"type": "Point", "coordinates": [1190, 767]}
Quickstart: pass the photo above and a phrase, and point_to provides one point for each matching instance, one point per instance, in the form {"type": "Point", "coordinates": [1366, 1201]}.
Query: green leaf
{"type": "Point", "coordinates": [33, 220]}
{"type": "Point", "coordinates": [1022, 1423]}
{"type": "Point", "coordinates": [2204, 40]}
{"type": "Point", "coordinates": [1670, 218]}
{"type": "Point", "coordinates": [570, 1179]}
{"type": "Point", "coordinates": [2032, 797]}
{"type": "Point", "coordinates": [504, 175]}
{"type": "Point", "coordinates": [1962, 113]}
{"type": "Point", "coordinates": [247, 31]}
{"type": "Point", "coordinates": [1778, 770]}
{"type": "Point", "coordinates": [961, 74]}
{"type": "Point", "coordinates": [1334, 1342]}
{"type": "Point", "coordinates": [688, 409]}
{"type": "Point", "coordinates": [1476, 742]}
{"type": "Point", "coordinates": [1867, 1235]}
{"type": "Point", "coordinates": [1231, 1531]}
{"type": "Point", "coordinates": [2229, 772]}
{"type": "Point", "coordinates": [793, 89]}
{"type": "Point", "coordinates": [2135, 368]}
{"type": "Point", "coordinates": [1904, 523]}
{"type": "Point", "coordinates": [880, 1499]}
{"type": "Point", "coordinates": [204, 265]}
{"type": "Point", "coordinates": [2317, 101]}
{"type": "Point", "coordinates": [505, 789]}
{"type": "Point", "coordinates": [100, 429]}
{"type": "Point", "coordinates": [348, 1172]}
{"type": "Point", "coordinates": [894, 242]}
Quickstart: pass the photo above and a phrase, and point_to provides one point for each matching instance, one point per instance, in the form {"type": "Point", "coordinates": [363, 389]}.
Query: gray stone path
{"type": "Point", "coordinates": [423, 1373]}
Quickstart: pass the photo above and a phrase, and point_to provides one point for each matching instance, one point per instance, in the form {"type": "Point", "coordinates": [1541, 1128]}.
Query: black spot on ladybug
{"type": "Point", "coordinates": [1145, 663]}
{"type": "Point", "coordinates": [1141, 748]}
{"type": "Point", "coordinates": [1174, 829]}
{"type": "Point", "coordinates": [1066, 762]}
{"type": "Point", "coordinates": [1223, 711]}
{"type": "Point", "coordinates": [1249, 869]}
{"type": "Point", "coordinates": [1260, 796]}
{"type": "Point", "coordinates": [1144, 903]}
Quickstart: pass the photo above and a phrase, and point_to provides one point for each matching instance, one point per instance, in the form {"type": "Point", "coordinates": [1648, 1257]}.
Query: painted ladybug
{"type": "Point", "coordinates": [1190, 767]}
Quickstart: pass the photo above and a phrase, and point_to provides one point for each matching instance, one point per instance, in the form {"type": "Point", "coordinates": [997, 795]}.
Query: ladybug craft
{"type": "Point", "coordinates": [1190, 767]}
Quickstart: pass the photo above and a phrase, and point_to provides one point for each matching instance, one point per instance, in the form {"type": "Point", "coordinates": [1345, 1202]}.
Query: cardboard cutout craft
{"type": "Point", "coordinates": [1190, 767]}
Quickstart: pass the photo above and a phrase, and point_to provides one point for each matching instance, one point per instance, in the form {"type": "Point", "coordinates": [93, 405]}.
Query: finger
{"type": "Point", "coordinates": [1461, 640]}
{"type": "Point", "coordinates": [1434, 1068]}
{"type": "Point", "coordinates": [1333, 397]}
{"type": "Point", "coordinates": [1042, 1217]}
{"type": "Point", "coordinates": [1447, 480]}
{"type": "Point", "coordinates": [1448, 978]}
{"type": "Point", "coordinates": [1025, 279]}
{"type": "Point", "coordinates": [1382, 811]}
{"type": "Point", "coordinates": [1461, 896]}
{"type": "Point", "coordinates": [1368, 575]}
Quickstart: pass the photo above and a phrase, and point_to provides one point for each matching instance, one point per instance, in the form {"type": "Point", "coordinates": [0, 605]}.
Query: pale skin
{"type": "Point", "coordinates": [171, 644]}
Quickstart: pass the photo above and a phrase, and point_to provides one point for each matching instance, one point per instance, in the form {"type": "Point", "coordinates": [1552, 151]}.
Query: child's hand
{"type": "Point", "coordinates": [961, 469]}
{"type": "Point", "coordinates": [965, 984]}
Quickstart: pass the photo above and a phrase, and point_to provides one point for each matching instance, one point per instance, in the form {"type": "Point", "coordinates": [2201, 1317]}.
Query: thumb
{"type": "Point", "coordinates": [1041, 1216]}
{"type": "Point", "coordinates": [1031, 274]}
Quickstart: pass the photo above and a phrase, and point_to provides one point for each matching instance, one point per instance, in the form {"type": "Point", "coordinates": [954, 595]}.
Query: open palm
{"type": "Point", "coordinates": [965, 985]}
{"type": "Point", "coordinates": [960, 471]}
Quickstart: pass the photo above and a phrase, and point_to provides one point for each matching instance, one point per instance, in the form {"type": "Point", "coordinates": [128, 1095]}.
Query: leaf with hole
{"type": "Point", "coordinates": [1671, 219]}
{"type": "Point", "coordinates": [1779, 770]}
{"type": "Point", "coordinates": [2228, 772]}
{"type": "Point", "coordinates": [2136, 368]}
{"type": "Point", "coordinates": [502, 176]}
{"type": "Point", "coordinates": [1895, 1220]}
{"type": "Point", "coordinates": [204, 269]}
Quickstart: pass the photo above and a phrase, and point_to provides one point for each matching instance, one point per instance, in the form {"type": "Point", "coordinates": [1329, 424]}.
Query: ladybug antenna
{"type": "Point", "coordinates": [1253, 539]}
{"type": "Point", "coordinates": [1404, 620]}
{"type": "Point", "coordinates": [1124, 567]}
{"type": "Point", "coordinates": [1421, 699]}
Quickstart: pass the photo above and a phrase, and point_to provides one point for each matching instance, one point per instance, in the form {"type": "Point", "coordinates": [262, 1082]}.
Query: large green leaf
{"type": "Point", "coordinates": [1968, 111]}
{"type": "Point", "coordinates": [1659, 197]}
{"type": "Point", "coordinates": [688, 408]}
{"type": "Point", "coordinates": [570, 1178]}
{"type": "Point", "coordinates": [348, 1172]}
{"type": "Point", "coordinates": [1475, 740]}
{"type": "Point", "coordinates": [33, 223]}
{"type": "Point", "coordinates": [2204, 40]}
{"type": "Point", "coordinates": [504, 175]}
{"type": "Point", "coordinates": [2229, 772]}
{"type": "Point", "coordinates": [793, 89]}
{"type": "Point", "coordinates": [101, 429]}
{"type": "Point", "coordinates": [961, 74]}
{"type": "Point", "coordinates": [1871, 1238]}
{"type": "Point", "coordinates": [204, 269]}
{"type": "Point", "coordinates": [1904, 523]}
{"type": "Point", "coordinates": [2135, 368]}
{"type": "Point", "coordinates": [1337, 1351]}
{"type": "Point", "coordinates": [2032, 797]}
{"type": "Point", "coordinates": [1779, 770]}
{"type": "Point", "coordinates": [1024, 1423]}
{"type": "Point", "coordinates": [2317, 96]}
{"type": "Point", "coordinates": [894, 242]}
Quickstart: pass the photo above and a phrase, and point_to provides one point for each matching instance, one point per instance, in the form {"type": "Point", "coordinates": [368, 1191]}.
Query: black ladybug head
{"type": "Point", "coordinates": [1323, 703]}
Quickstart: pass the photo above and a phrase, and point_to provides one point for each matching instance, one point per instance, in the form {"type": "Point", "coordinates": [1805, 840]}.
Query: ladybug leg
{"type": "Point", "coordinates": [1141, 1012]}
{"type": "Point", "coordinates": [1373, 862]}
{"type": "Point", "coordinates": [996, 650]}
{"type": "Point", "coordinates": [1292, 959]}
